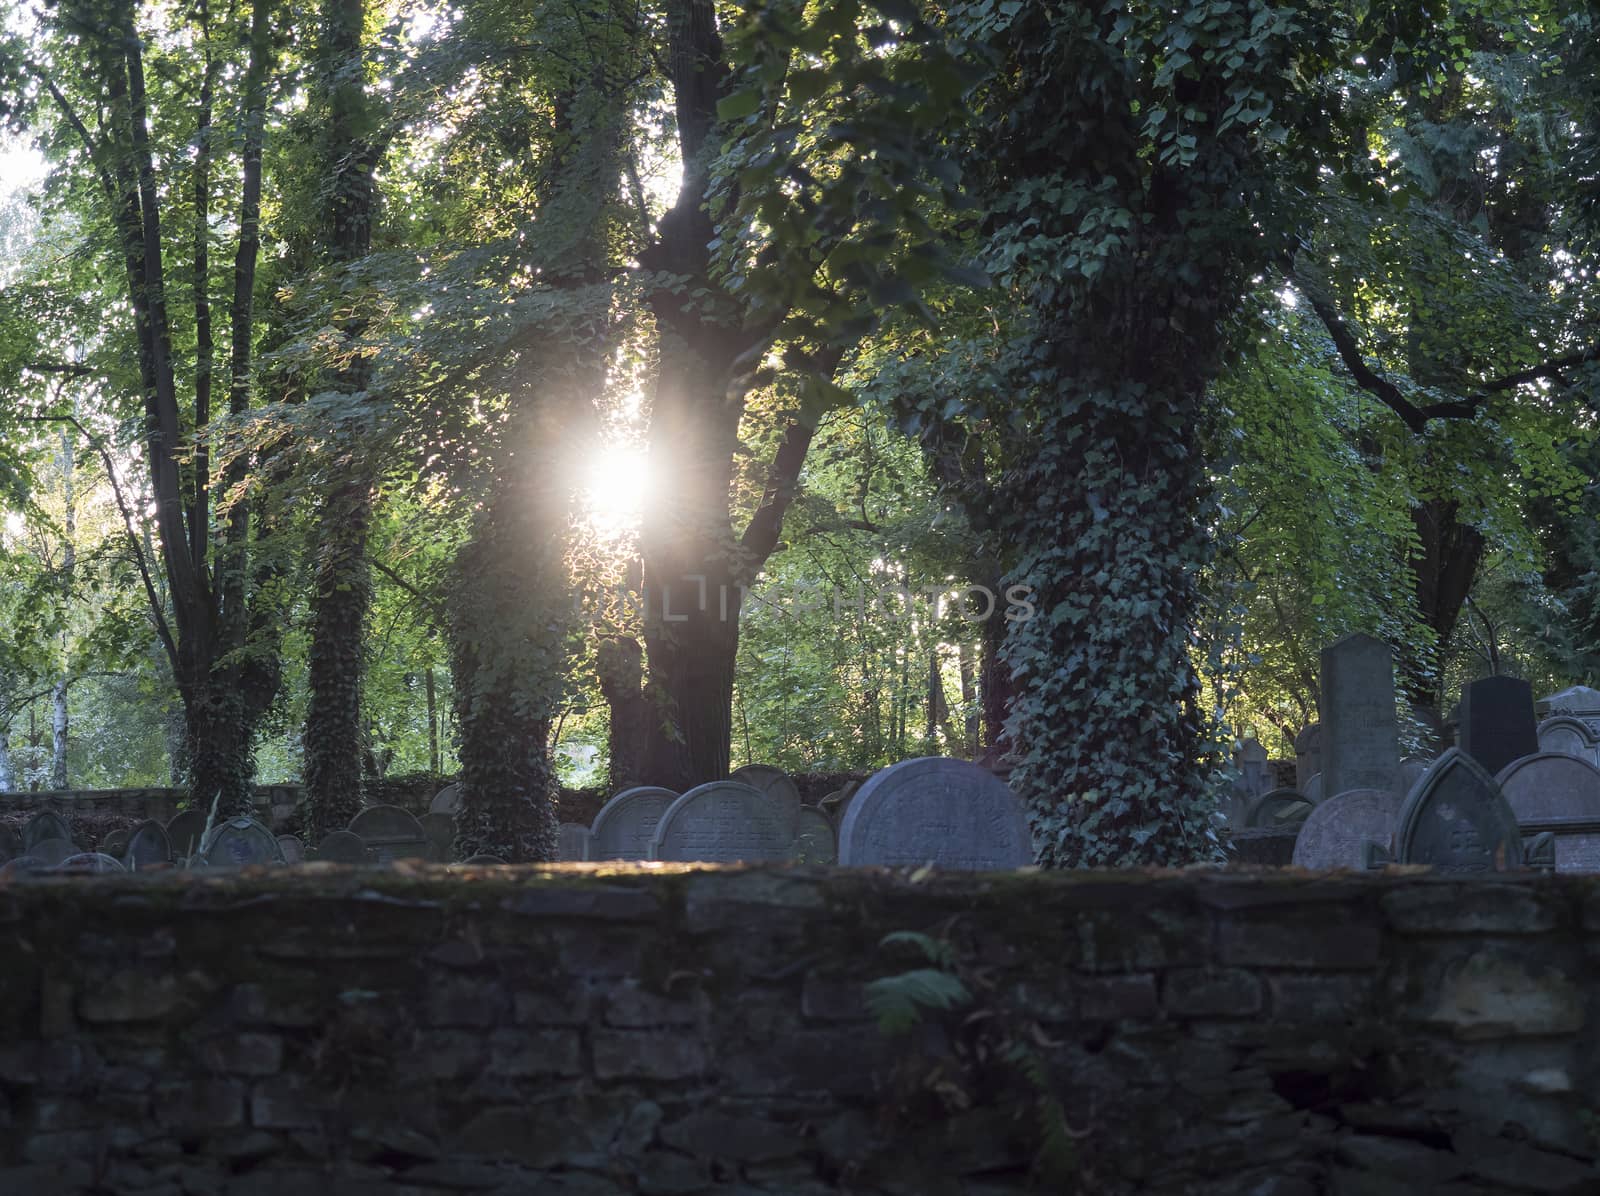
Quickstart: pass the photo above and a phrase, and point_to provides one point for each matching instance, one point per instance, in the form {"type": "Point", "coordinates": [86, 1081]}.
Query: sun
{"type": "Point", "coordinates": [616, 486]}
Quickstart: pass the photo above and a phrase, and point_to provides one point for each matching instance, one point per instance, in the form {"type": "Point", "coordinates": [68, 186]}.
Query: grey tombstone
{"type": "Point", "coordinates": [293, 849]}
{"type": "Point", "coordinates": [816, 842]}
{"type": "Point", "coordinates": [1254, 767]}
{"type": "Point", "coordinates": [836, 803]}
{"type": "Point", "coordinates": [573, 845]}
{"type": "Point", "coordinates": [441, 832]}
{"type": "Point", "coordinates": [1360, 733]}
{"type": "Point", "coordinates": [241, 843]}
{"type": "Point", "coordinates": [184, 833]}
{"type": "Point", "coordinates": [1307, 755]}
{"type": "Point", "coordinates": [723, 822]}
{"type": "Point", "coordinates": [1569, 735]}
{"type": "Point", "coordinates": [1558, 793]}
{"type": "Point", "coordinates": [949, 813]}
{"type": "Point", "coordinates": [390, 833]}
{"type": "Point", "coordinates": [777, 785]}
{"type": "Point", "coordinates": [115, 843]}
{"type": "Point", "coordinates": [50, 852]}
{"type": "Point", "coordinates": [46, 824]}
{"type": "Point", "coordinates": [89, 861]}
{"type": "Point", "coordinates": [148, 847]}
{"type": "Point", "coordinates": [1313, 791]}
{"type": "Point", "coordinates": [1278, 808]}
{"type": "Point", "coordinates": [342, 847]}
{"type": "Point", "coordinates": [1411, 770]}
{"type": "Point", "coordinates": [1497, 723]}
{"type": "Point", "coordinates": [626, 825]}
{"type": "Point", "coordinates": [482, 860]}
{"type": "Point", "coordinates": [1336, 832]}
{"type": "Point", "coordinates": [447, 800]}
{"type": "Point", "coordinates": [10, 843]}
{"type": "Point", "coordinates": [1456, 820]}
{"type": "Point", "coordinates": [1577, 700]}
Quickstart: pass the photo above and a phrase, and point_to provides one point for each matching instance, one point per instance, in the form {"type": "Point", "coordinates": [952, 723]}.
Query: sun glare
{"type": "Point", "coordinates": [615, 488]}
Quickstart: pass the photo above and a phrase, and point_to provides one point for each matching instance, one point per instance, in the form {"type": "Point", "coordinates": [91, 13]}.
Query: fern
{"type": "Point", "coordinates": [937, 951]}
{"type": "Point", "coordinates": [897, 1002]}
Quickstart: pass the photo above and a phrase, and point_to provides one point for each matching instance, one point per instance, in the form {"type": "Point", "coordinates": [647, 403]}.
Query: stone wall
{"type": "Point", "coordinates": [590, 1029]}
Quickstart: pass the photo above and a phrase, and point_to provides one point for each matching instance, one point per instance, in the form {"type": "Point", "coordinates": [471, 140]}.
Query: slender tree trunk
{"type": "Point", "coordinates": [69, 566]}
{"type": "Point", "coordinates": [433, 720]}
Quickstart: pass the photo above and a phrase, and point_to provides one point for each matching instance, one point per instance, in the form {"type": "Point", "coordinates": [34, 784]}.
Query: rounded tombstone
{"type": "Point", "coordinates": [46, 824]}
{"type": "Point", "coordinates": [294, 851]}
{"type": "Point", "coordinates": [148, 847]}
{"type": "Point", "coordinates": [447, 800]}
{"type": "Point", "coordinates": [342, 847]}
{"type": "Point", "coordinates": [1567, 736]}
{"type": "Point", "coordinates": [1456, 820]}
{"type": "Point", "coordinates": [482, 861]}
{"type": "Point", "coordinates": [626, 825]}
{"type": "Point", "coordinates": [23, 865]}
{"type": "Point", "coordinates": [185, 830]}
{"type": "Point", "coordinates": [51, 852]}
{"type": "Point", "coordinates": [10, 843]}
{"type": "Point", "coordinates": [241, 843]}
{"type": "Point", "coordinates": [777, 785]}
{"type": "Point", "coordinates": [1551, 786]}
{"type": "Point", "coordinates": [88, 861]}
{"type": "Point", "coordinates": [115, 843]}
{"type": "Point", "coordinates": [836, 803]}
{"type": "Point", "coordinates": [440, 830]}
{"type": "Point", "coordinates": [816, 842]}
{"type": "Point", "coordinates": [1313, 789]}
{"type": "Point", "coordinates": [1281, 807]}
{"type": "Point", "coordinates": [723, 822]}
{"type": "Point", "coordinates": [1336, 832]}
{"type": "Point", "coordinates": [390, 833]}
{"type": "Point", "coordinates": [933, 810]}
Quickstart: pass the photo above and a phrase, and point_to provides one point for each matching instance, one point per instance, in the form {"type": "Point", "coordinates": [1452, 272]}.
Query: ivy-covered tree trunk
{"type": "Point", "coordinates": [342, 584]}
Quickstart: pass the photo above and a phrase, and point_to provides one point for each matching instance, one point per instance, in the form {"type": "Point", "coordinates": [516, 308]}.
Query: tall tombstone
{"type": "Point", "coordinates": [777, 785]}
{"type": "Point", "coordinates": [1307, 755]}
{"type": "Point", "coordinates": [626, 825]}
{"type": "Point", "coordinates": [148, 847]}
{"type": "Point", "coordinates": [390, 833]}
{"type": "Point", "coordinates": [1336, 833]}
{"type": "Point", "coordinates": [573, 844]}
{"type": "Point", "coordinates": [184, 833]}
{"type": "Point", "coordinates": [1555, 792]}
{"type": "Point", "coordinates": [1456, 820]}
{"type": "Point", "coordinates": [724, 822]}
{"type": "Point", "coordinates": [50, 852]}
{"type": "Point", "coordinates": [46, 824]}
{"type": "Point", "coordinates": [816, 843]}
{"type": "Point", "coordinates": [949, 813]}
{"type": "Point", "coordinates": [1360, 734]}
{"type": "Point", "coordinates": [441, 832]}
{"type": "Point", "coordinates": [1497, 722]}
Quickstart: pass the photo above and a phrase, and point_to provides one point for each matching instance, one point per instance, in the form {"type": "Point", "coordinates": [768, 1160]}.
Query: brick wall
{"type": "Point", "coordinates": [579, 1030]}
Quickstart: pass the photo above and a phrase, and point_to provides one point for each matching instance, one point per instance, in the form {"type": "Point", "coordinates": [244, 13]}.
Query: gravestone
{"type": "Point", "coordinates": [115, 843]}
{"type": "Point", "coordinates": [723, 822]}
{"type": "Point", "coordinates": [949, 813]}
{"type": "Point", "coordinates": [1280, 807]}
{"type": "Point", "coordinates": [1497, 723]}
{"type": "Point", "coordinates": [390, 833]}
{"type": "Point", "coordinates": [46, 824]}
{"type": "Point", "coordinates": [1360, 733]}
{"type": "Point", "coordinates": [148, 847]}
{"type": "Point", "coordinates": [241, 843]}
{"type": "Point", "coordinates": [777, 785]}
{"type": "Point", "coordinates": [1313, 790]}
{"type": "Point", "coordinates": [50, 852]}
{"type": "Point", "coordinates": [1255, 770]}
{"type": "Point", "coordinates": [836, 803]}
{"type": "Point", "coordinates": [1578, 700]}
{"type": "Point", "coordinates": [482, 861]}
{"type": "Point", "coordinates": [626, 825]}
{"type": "Point", "coordinates": [10, 843]}
{"type": "Point", "coordinates": [1336, 833]}
{"type": "Point", "coordinates": [1307, 755]}
{"type": "Point", "coordinates": [447, 800]}
{"type": "Point", "coordinates": [1456, 820]}
{"type": "Point", "coordinates": [1570, 736]}
{"type": "Point", "coordinates": [1411, 770]}
{"type": "Point", "coordinates": [293, 849]}
{"type": "Point", "coordinates": [342, 847]}
{"type": "Point", "coordinates": [22, 865]}
{"type": "Point", "coordinates": [816, 843]}
{"type": "Point", "coordinates": [89, 861]}
{"type": "Point", "coordinates": [1554, 792]}
{"type": "Point", "coordinates": [574, 842]}
{"type": "Point", "coordinates": [441, 832]}
{"type": "Point", "coordinates": [184, 833]}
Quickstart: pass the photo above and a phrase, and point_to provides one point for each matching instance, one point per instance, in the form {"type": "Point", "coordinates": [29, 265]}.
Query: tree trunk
{"type": "Point", "coordinates": [621, 674]}
{"type": "Point", "coordinates": [433, 720]}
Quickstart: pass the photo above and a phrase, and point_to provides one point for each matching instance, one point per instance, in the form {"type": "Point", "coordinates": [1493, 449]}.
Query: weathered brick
{"type": "Point", "coordinates": [1298, 943]}
{"type": "Point", "coordinates": [1211, 992]}
{"type": "Point", "coordinates": [1113, 998]}
{"type": "Point", "coordinates": [1327, 997]}
{"type": "Point", "coordinates": [662, 1055]}
{"type": "Point", "coordinates": [244, 1054]}
{"type": "Point", "coordinates": [286, 1103]}
{"type": "Point", "coordinates": [519, 1053]}
{"type": "Point", "coordinates": [632, 1006]}
{"type": "Point", "coordinates": [833, 998]}
{"type": "Point", "coordinates": [205, 1103]}
{"type": "Point", "coordinates": [558, 899]}
{"type": "Point", "coordinates": [1489, 994]}
{"type": "Point", "coordinates": [568, 1007]}
{"type": "Point", "coordinates": [710, 1133]}
{"type": "Point", "coordinates": [460, 1000]}
{"type": "Point", "coordinates": [1476, 908]}
{"type": "Point", "coordinates": [130, 997]}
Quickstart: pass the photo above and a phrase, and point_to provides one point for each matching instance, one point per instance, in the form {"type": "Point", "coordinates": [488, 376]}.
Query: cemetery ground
{"type": "Point", "coordinates": [756, 986]}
